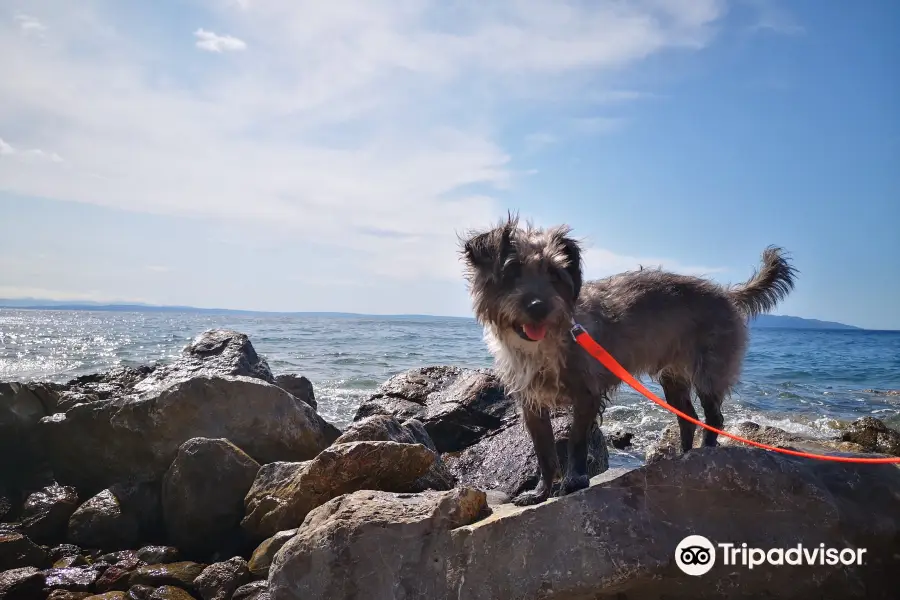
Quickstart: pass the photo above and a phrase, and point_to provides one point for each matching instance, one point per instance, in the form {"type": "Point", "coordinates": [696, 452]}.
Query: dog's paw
{"type": "Point", "coordinates": [573, 484]}
{"type": "Point", "coordinates": [531, 498]}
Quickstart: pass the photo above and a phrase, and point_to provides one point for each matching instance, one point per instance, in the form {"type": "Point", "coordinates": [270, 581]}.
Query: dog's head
{"type": "Point", "coordinates": [523, 279]}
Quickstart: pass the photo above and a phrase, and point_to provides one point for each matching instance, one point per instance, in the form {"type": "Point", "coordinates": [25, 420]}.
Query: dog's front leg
{"type": "Point", "coordinates": [584, 416]}
{"type": "Point", "coordinates": [537, 422]}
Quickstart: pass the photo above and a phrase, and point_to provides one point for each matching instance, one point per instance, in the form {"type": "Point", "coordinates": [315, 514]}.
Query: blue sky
{"type": "Point", "coordinates": [299, 155]}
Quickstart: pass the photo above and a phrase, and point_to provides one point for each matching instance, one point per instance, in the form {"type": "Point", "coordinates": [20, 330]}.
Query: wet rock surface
{"type": "Point", "coordinates": [105, 521]}
{"type": "Point", "coordinates": [24, 583]}
{"type": "Point", "coordinates": [178, 574]}
{"type": "Point", "coordinates": [505, 460]}
{"type": "Point", "coordinates": [73, 579]}
{"type": "Point", "coordinates": [872, 435]}
{"type": "Point", "coordinates": [46, 513]}
{"type": "Point", "coordinates": [158, 554]}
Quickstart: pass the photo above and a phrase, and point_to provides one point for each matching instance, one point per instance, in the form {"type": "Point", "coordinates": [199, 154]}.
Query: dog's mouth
{"type": "Point", "coordinates": [532, 333]}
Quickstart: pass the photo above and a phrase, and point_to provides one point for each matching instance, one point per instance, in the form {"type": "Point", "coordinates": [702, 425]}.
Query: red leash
{"type": "Point", "coordinates": [584, 339]}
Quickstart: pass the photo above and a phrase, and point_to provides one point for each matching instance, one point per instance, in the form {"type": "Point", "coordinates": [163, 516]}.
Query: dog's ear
{"type": "Point", "coordinates": [485, 251]}
{"type": "Point", "coordinates": [572, 250]}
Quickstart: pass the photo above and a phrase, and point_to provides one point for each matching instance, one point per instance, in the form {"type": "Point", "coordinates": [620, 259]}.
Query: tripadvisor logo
{"type": "Point", "coordinates": [696, 555]}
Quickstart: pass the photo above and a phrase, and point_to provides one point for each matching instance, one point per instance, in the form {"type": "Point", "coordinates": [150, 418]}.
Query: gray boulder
{"type": "Point", "coordinates": [216, 352]}
{"type": "Point", "coordinates": [101, 522]}
{"type": "Point", "coordinates": [118, 518]}
{"type": "Point", "coordinates": [264, 554]}
{"type": "Point", "coordinates": [203, 494]}
{"type": "Point", "coordinates": [281, 497]}
{"type": "Point", "coordinates": [375, 545]}
{"type": "Point", "coordinates": [669, 444]}
{"type": "Point", "coordinates": [299, 387]}
{"type": "Point", "coordinates": [45, 514]}
{"type": "Point", "coordinates": [872, 435]}
{"type": "Point", "coordinates": [21, 409]}
{"type": "Point", "coordinates": [16, 551]}
{"type": "Point", "coordinates": [505, 460]}
{"type": "Point", "coordinates": [457, 406]}
{"type": "Point", "coordinates": [616, 539]}
{"type": "Point", "coordinates": [218, 581]}
{"type": "Point", "coordinates": [95, 445]}
{"type": "Point", "coordinates": [25, 583]}
{"type": "Point", "coordinates": [385, 428]}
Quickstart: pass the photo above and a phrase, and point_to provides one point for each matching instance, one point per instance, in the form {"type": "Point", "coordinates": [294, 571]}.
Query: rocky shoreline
{"type": "Point", "coordinates": [211, 478]}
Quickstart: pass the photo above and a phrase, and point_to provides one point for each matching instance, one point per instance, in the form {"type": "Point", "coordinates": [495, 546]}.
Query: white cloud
{"type": "Point", "coordinates": [29, 25]}
{"type": "Point", "coordinates": [772, 16]}
{"type": "Point", "coordinates": [599, 262]}
{"type": "Point", "coordinates": [349, 117]}
{"type": "Point", "coordinates": [12, 291]}
{"type": "Point", "coordinates": [211, 42]}
{"type": "Point", "coordinates": [7, 149]}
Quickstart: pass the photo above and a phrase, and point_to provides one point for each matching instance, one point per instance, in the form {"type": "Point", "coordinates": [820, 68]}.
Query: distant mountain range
{"type": "Point", "coordinates": [786, 322]}
{"type": "Point", "coordinates": [762, 322]}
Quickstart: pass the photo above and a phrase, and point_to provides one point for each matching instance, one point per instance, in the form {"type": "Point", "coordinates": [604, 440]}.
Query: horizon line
{"type": "Point", "coordinates": [30, 303]}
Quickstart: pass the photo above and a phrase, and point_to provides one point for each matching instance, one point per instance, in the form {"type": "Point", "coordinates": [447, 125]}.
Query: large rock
{"type": "Point", "coordinates": [179, 574]}
{"type": "Point", "coordinates": [118, 517]}
{"type": "Point", "coordinates": [20, 411]}
{"type": "Point", "coordinates": [616, 539]}
{"type": "Point", "coordinates": [265, 553]}
{"type": "Point", "coordinates": [46, 513]}
{"type": "Point", "coordinates": [153, 555]}
{"type": "Point", "coordinates": [669, 444]}
{"type": "Point", "coordinates": [256, 590]}
{"type": "Point", "coordinates": [73, 579]}
{"type": "Point", "coordinates": [102, 386]}
{"type": "Point", "coordinates": [95, 445]}
{"type": "Point", "coordinates": [457, 406]}
{"type": "Point", "coordinates": [25, 583]}
{"type": "Point", "coordinates": [219, 581]}
{"type": "Point", "coordinates": [299, 387]}
{"type": "Point", "coordinates": [282, 496]}
{"type": "Point", "coordinates": [385, 428]}
{"type": "Point", "coordinates": [203, 493]}
{"type": "Point", "coordinates": [216, 352]}
{"type": "Point", "coordinates": [505, 460]}
{"type": "Point", "coordinates": [873, 436]}
{"type": "Point", "coordinates": [17, 551]}
{"type": "Point", "coordinates": [350, 547]}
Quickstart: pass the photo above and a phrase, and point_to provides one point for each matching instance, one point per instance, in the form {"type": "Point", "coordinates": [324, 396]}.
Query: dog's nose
{"type": "Point", "coordinates": [537, 309]}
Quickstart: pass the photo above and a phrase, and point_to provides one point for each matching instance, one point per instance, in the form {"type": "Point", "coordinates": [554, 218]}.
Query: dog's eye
{"type": "Point", "coordinates": [510, 270]}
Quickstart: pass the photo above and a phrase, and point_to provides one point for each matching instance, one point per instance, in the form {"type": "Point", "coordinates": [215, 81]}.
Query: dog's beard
{"type": "Point", "coordinates": [529, 369]}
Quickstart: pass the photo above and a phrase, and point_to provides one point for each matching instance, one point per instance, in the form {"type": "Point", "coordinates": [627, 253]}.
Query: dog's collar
{"type": "Point", "coordinates": [576, 329]}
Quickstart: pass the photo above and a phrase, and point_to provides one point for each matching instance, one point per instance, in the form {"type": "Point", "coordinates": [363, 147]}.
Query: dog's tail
{"type": "Point", "coordinates": [768, 286]}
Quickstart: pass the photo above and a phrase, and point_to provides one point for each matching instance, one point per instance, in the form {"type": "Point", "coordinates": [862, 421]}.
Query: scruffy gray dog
{"type": "Point", "coordinates": [687, 332]}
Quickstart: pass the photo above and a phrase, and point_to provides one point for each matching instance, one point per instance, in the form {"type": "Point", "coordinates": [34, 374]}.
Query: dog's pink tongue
{"type": "Point", "coordinates": [535, 332]}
